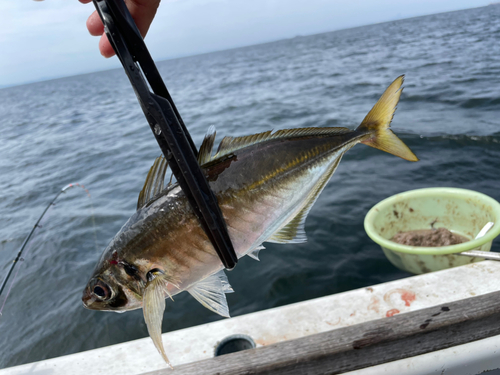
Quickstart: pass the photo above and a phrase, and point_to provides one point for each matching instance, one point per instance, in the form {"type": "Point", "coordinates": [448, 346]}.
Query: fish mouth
{"type": "Point", "coordinates": [97, 294]}
{"type": "Point", "coordinates": [113, 299]}
{"type": "Point", "coordinates": [89, 300]}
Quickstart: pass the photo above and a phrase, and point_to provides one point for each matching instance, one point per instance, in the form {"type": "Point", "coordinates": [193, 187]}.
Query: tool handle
{"type": "Point", "coordinates": [165, 122]}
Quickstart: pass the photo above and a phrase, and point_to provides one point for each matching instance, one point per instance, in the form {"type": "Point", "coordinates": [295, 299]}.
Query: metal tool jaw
{"type": "Point", "coordinates": [166, 123]}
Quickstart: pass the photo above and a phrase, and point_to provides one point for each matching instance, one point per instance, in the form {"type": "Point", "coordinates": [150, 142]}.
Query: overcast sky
{"type": "Point", "coordinates": [49, 39]}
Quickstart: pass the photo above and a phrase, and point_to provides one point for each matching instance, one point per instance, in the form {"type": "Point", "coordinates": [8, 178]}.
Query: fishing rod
{"type": "Point", "coordinates": [18, 258]}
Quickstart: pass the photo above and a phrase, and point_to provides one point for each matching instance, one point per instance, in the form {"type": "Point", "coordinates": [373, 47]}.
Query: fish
{"type": "Point", "coordinates": [265, 185]}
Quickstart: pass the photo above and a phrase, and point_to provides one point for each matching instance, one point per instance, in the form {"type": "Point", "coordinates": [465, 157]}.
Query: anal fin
{"type": "Point", "coordinates": [211, 293]}
{"type": "Point", "coordinates": [254, 254]}
{"type": "Point", "coordinates": [293, 231]}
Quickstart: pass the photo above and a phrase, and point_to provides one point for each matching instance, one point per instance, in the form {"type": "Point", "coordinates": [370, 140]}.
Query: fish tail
{"type": "Point", "coordinates": [377, 122]}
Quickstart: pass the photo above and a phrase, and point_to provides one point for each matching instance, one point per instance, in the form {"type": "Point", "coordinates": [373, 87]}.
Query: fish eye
{"type": "Point", "coordinates": [101, 291]}
{"type": "Point", "coordinates": [153, 273]}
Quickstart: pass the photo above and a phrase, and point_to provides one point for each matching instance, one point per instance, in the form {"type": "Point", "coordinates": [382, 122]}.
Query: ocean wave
{"type": "Point", "coordinates": [478, 139]}
{"type": "Point", "coordinates": [478, 102]}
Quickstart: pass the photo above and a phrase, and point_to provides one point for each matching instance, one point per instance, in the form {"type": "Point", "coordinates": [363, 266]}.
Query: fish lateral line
{"type": "Point", "coordinates": [255, 213]}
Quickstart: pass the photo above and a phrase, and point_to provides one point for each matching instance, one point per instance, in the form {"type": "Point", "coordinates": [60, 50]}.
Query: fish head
{"type": "Point", "coordinates": [115, 285]}
{"type": "Point", "coordinates": [126, 265]}
{"type": "Point", "coordinates": [118, 282]}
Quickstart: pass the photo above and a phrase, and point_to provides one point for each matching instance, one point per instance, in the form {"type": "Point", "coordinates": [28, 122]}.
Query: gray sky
{"type": "Point", "coordinates": [49, 39]}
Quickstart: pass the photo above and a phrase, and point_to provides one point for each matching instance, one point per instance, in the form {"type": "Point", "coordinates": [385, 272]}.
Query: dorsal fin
{"type": "Point", "coordinates": [293, 231]}
{"type": "Point", "coordinates": [231, 144]}
{"type": "Point", "coordinates": [205, 153]}
{"type": "Point", "coordinates": [154, 182]}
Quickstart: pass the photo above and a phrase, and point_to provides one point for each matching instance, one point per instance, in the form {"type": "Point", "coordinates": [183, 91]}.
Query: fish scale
{"type": "Point", "coordinates": [265, 185]}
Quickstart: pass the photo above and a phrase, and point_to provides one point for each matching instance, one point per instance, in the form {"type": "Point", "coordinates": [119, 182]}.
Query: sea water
{"type": "Point", "coordinates": [90, 129]}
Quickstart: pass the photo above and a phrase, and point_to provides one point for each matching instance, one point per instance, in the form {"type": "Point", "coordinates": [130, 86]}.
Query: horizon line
{"type": "Point", "coordinates": [48, 79]}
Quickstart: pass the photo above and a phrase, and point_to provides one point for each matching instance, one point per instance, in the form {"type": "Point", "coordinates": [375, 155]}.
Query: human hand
{"type": "Point", "coordinates": [142, 11]}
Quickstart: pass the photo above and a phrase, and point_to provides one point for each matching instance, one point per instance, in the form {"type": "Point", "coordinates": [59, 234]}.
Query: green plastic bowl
{"type": "Point", "coordinates": [462, 211]}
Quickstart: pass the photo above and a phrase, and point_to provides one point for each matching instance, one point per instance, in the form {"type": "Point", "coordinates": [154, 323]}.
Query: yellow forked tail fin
{"type": "Point", "coordinates": [377, 123]}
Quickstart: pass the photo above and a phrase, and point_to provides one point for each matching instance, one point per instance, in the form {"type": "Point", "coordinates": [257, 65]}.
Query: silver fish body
{"type": "Point", "coordinates": [265, 185]}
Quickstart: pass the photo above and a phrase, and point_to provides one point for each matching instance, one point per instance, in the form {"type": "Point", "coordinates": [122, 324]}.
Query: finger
{"type": "Point", "coordinates": [143, 12]}
{"type": "Point", "coordinates": [94, 24]}
{"type": "Point", "coordinates": [105, 47]}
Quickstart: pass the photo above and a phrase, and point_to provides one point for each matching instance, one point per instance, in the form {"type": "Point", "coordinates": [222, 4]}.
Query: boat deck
{"type": "Point", "coordinates": [323, 325]}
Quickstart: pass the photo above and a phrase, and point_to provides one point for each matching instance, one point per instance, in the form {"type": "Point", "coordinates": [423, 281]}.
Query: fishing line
{"type": "Point", "coordinates": [37, 225]}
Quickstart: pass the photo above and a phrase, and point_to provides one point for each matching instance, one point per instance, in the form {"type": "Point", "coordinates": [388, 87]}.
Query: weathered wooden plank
{"type": "Point", "coordinates": [367, 344]}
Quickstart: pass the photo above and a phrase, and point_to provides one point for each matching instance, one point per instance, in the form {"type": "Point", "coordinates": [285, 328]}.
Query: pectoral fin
{"type": "Point", "coordinates": [153, 309]}
{"type": "Point", "coordinates": [211, 293]}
